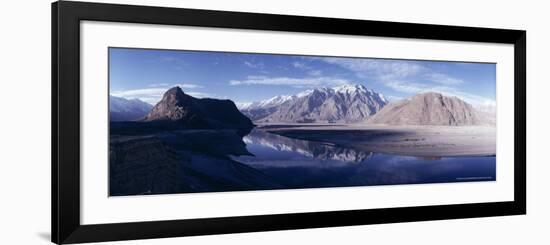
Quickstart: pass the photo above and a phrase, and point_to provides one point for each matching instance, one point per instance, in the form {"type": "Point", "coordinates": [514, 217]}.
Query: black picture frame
{"type": "Point", "coordinates": [66, 17]}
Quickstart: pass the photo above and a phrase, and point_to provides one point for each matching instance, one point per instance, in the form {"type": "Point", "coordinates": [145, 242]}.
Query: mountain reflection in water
{"type": "Point", "coordinates": [186, 161]}
{"type": "Point", "coordinates": [312, 150]}
{"type": "Point", "coordinates": [307, 164]}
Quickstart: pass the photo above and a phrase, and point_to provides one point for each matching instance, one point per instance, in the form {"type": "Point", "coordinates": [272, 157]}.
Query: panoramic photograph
{"type": "Point", "coordinates": [183, 121]}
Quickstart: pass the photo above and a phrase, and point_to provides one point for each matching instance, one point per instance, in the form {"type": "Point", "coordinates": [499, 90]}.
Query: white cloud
{"type": "Point", "coordinates": [403, 76]}
{"type": "Point", "coordinates": [415, 88]}
{"type": "Point", "coordinates": [308, 69]}
{"type": "Point", "coordinates": [154, 92]}
{"type": "Point", "coordinates": [393, 98]}
{"type": "Point", "coordinates": [405, 87]}
{"type": "Point", "coordinates": [372, 67]}
{"type": "Point", "coordinates": [199, 94]}
{"type": "Point", "coordinates": [181, 85]}
{"type": "Point", "coordinates": [174, 62]}
{"type": "Point", "coordinates": [149, 95]}
{"type": "Point", "coordinates": [300, 65]}
{"type": "Point", "coordinates": [136, 93]}
{"type": "Point", "coordinates": [186, 85]}
{"type": "Point", "coordinates": [443, 79]}
{"type": "Point", "coordinates": [468, 97]}
{"type": "Point", "coordinates": [254, 64]}
{"type": "Point", "coordinates": [315, 73]}
{"type": "Point", "coordinates": [154, 85]}
{"type": "Point", "coordinates": [295, 82]}
{"type": "Point", "coordinates": [385, 70]}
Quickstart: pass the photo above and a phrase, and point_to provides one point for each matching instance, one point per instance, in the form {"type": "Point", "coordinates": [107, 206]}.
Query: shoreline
{"type": "Point", "coordinates": [421, 141]}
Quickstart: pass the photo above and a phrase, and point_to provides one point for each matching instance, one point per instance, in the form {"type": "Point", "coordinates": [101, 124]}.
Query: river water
{"type": "Point", "coordinates": [299, 163]}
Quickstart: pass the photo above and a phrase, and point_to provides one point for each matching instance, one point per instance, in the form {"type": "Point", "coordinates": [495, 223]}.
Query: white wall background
{"type": "Point", "coordinates": [25, 121]}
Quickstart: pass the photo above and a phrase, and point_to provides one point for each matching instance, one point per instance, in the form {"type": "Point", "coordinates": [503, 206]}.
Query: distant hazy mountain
{"type": "Point", "coordinates": [429, 109]}
{"type": "Point", "coordinates": [488, 112]}
{"type": "Point", "coordinates": [190, 112]}
{"type": "Point", "coordinates": [344, 104]}
{"type": "Point", "coordinates": [121, 109]}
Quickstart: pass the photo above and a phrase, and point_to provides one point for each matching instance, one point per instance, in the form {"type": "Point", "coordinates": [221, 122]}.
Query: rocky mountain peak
{"type": "Point", "coordinates": [429, 108]}
{"type": "Point", "coordinates": [351, 88]}
{"type": "Point", "coordinates": [174, 90]}
{"type": "Point", "coordinates": [175, 95]}
{"type": "Point", "coordinates": [190, 112]}
{"type": "Point", "coordinates": [431, 95]}
{"type": "Point", "coordinates": [172, 106]}
{"type": "Point", "coordinates": [346, 103]}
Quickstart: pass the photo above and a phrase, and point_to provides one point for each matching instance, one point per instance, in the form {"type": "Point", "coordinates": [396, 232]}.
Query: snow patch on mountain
{"type": "Point", "coordinates": [342, 104]}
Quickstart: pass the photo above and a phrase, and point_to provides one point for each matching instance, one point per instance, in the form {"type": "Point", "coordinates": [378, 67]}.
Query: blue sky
{"type": "Point", "coordinates": [146, 74]}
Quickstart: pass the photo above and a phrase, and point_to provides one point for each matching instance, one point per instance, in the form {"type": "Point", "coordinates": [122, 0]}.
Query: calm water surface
{"type": "Point", "coordinates": [304, 164]}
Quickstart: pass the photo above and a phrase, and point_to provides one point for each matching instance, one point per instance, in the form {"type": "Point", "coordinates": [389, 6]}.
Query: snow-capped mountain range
{"type": "Point", "coordinates": [343, 104]}
{"type": "Point", "coordinates": [275, 101]}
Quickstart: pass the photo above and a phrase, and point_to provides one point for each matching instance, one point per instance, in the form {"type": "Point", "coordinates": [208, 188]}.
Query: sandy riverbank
{"type": "Point", "coordinates": [425, 141]}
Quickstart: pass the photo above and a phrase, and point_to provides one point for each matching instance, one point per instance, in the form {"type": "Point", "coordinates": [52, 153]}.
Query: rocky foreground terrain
{"type": "Point", "coordinates": [181, 162]}
{"type": "Point", "coordinates": [142, 165]}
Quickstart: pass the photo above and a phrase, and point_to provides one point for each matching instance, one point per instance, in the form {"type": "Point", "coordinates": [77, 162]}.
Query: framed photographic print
{"type": "Point", "coordinates": [176, 122]}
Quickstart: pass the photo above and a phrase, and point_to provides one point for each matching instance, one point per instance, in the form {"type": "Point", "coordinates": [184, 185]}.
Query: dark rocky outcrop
{"type": "Point", "coordinates": [188, 112]}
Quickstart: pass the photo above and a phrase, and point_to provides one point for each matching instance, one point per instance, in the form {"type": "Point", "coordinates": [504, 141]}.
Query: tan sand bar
{"type": "Point", "coordinates": [426, 141]}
